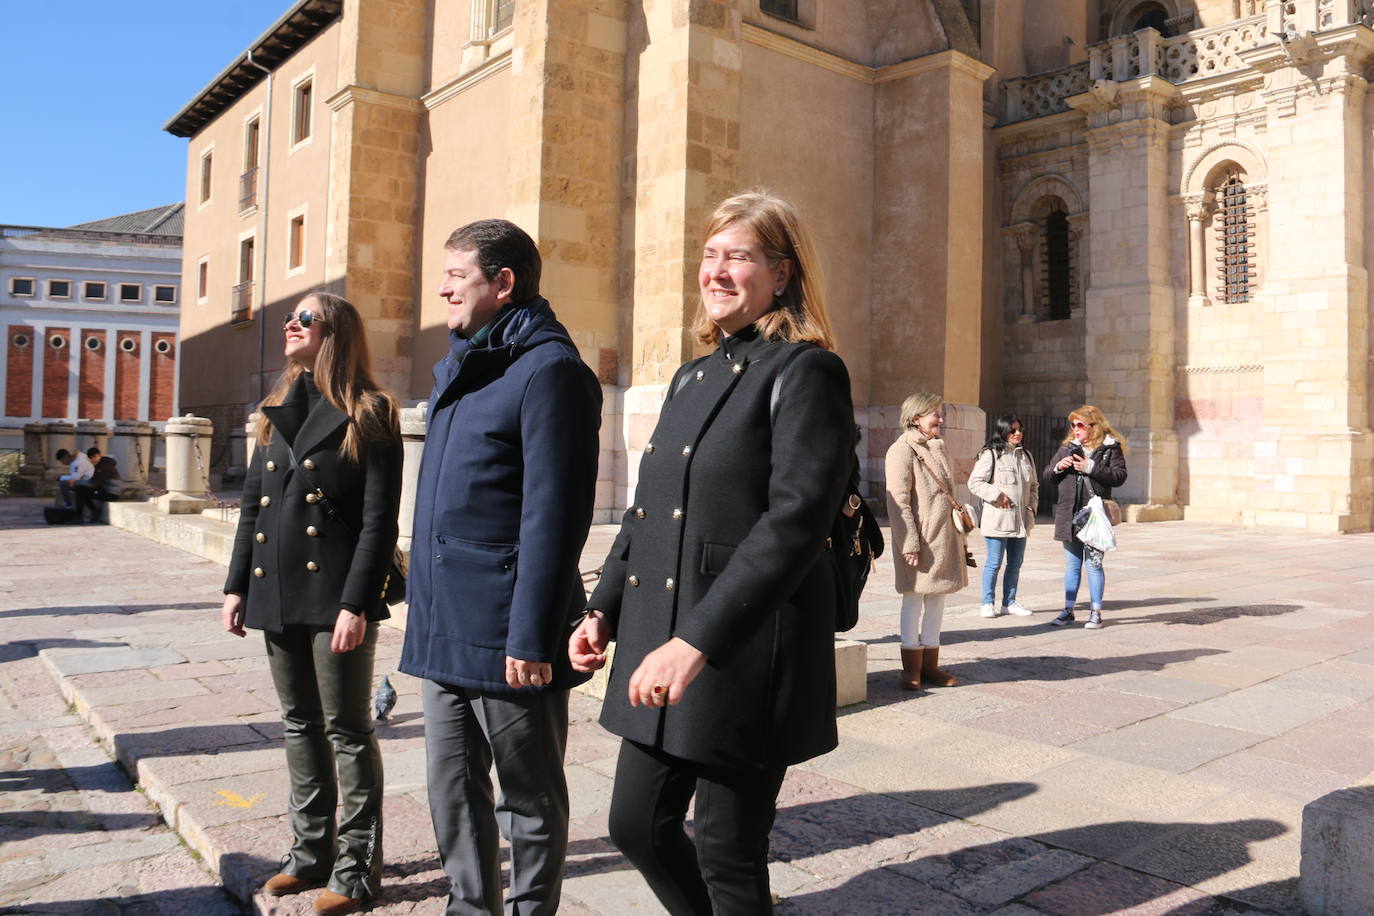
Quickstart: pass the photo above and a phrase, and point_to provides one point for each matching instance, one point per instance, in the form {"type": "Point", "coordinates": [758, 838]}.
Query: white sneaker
{"type": "Point", "coordinates": [1016, 609]}
{"type": "Point", "coordinates": [989, 610]}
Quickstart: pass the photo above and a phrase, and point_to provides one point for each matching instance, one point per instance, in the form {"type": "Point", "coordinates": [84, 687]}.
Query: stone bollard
{"type": "Point", "coordinates": [36, 457]}
{"type": "Point", "coordinates": [131, 446]}
{"type": "Point", "coordinates": [92, 433]}
{"type": "Point", "coordinates": [1336, 870]}
{"type": "Point", "coordinates": [188, 466]}
{"type": "Point", "coordinates": [61, 434]}
{"type": "Point", "coordinates": [412, 444]}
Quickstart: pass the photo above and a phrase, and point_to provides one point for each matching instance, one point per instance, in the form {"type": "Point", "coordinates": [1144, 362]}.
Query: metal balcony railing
{"type": "Point", "coordinates": [242, 302]}
{"type": "Point", "coordinates": [248, 189]}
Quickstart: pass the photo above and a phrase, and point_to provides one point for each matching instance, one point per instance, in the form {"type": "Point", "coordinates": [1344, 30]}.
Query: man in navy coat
{"type": "Point", "coordinates": [504, 500]}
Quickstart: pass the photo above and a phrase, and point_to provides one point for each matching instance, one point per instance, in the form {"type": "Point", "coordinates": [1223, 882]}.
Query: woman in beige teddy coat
{"type": "Point", "coordinates": [930, 549]}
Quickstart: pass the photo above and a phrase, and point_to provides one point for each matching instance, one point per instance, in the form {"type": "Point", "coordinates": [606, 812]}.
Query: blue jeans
{"type": "Point", "coordinates": [1073, 569]}
{"type": "Point", "coordinates": [1014, 549]}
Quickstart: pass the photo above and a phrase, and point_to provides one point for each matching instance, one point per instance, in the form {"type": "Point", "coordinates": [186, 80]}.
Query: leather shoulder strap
{"type": "Point", "coordinates": [775, 398]}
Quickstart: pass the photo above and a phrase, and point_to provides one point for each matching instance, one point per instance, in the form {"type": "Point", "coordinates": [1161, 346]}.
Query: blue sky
{"type": "Point", "coordinates": [87, 88]}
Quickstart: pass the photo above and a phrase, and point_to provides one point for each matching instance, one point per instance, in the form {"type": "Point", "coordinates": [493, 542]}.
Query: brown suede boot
{"type": "Point", "coordinates": [282, 884]}
{"type": "Point", "coordinates": [911, 670]}
{"type": "Point", "coordinates": [930, 669]}
{"type": "Point", "coordinates": [333, 904]}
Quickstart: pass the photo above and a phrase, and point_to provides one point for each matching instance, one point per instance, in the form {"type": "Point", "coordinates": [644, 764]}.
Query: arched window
{"type": "Point", "coordinates": [1151, 16]}
{"type": "Point", "coordinates": [1058, 266]}
{"type": "Point", "coordinates": [1236, 257]}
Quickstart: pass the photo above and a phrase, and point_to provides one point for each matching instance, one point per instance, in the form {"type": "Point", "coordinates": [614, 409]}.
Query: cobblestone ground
{"type": "Point", "coordinates": [76, 837]}
{"type": "Point", "coordinates": [1156, 766]}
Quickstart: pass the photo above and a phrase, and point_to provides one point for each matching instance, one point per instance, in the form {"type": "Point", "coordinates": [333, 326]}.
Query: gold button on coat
{"type": "Point", "coordinates": [311, 498]}
{"type": "Point", "coordinates": [677, 514]}
{"type": "Point", "coordinates": [649, 449]}
{"type": "Point", "coordinates": [639, 511]}
{"type": "Point", "coordinates": [737, 369]}
{"type": "Point", "coordinates": [634, 581]}
{"type": "Point", "coordinates": [271, 465]}
{"type": "Point", "coordinates": [312, 531]}
{"type": "Point", "coordinates": [265, 501]}
{"type": "Point", "coordinates": [686, 450]}
{"type": "Point", "coordinates": [312, 566]}
{"type": "Point", "coordinates": [669, 584]}
{"type": "Point", "coordinates": [262, 538]}
{"type": "Point", "coordinates": [308, 464]}
{"type": "Point", "coordinates": [257, 571]}
{"type": "Point", "coordinates": [700, 375]}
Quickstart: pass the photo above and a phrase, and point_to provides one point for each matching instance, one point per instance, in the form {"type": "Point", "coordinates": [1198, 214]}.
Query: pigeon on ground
{"type": "Point", "coordinates": [385, 699]}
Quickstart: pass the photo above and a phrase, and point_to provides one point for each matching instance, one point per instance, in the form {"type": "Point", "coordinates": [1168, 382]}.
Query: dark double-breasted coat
{"type": "Point", "coordinates": [294, 563]}
{"type": "Point", "coordinates": [1108, 471]}
{"type": "Point", "coordinates": [721, 548]}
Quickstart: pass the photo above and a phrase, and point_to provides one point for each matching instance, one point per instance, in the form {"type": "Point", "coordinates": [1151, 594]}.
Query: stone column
{"type": "Point", "coordinates": [1129, 306]}
{"type": "Point", "coordinates": [188, 466]}
{"type": "Point", "coordinates": [92, 433]}
{"type": "Point", "coordinates": [412, 445]}
{"type": "Point", "coordinates": [1197, 210]}
{"type": "Point", "coordinates": [374, 162]}
{"type": "Point", "coordinates": [1025, 244]}
{"type": "Point", "coordinates": [131, 446]}
{"type": "Point", "coordinates": [1082, 270]}
{"type": "Point", "coordinates": [1314, 465]}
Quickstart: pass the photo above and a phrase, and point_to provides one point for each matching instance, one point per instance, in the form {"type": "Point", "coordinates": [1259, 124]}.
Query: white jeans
{"type": "Point", "coordinates": [922, 617]}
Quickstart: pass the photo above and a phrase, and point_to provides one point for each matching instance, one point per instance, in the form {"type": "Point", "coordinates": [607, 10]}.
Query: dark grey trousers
{"type": "Point", "coordinates": [525, 735]}
{"type": "Point", "coordinates": [325, 708]}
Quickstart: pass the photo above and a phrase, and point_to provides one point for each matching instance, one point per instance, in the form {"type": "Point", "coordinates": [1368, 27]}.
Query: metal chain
{"type": "Point", "coordinates": [225, 506]}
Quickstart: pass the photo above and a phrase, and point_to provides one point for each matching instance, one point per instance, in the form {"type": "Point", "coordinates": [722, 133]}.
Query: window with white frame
{"type": "Point", "coordinates": [94, 291]}
{"type": "Point", "coordinates": [164, 295]}
{"type": "Point", "coordinates": [203, 279]}
{"type": "Point", "coordinates": [59, 289]}
{"type": "Point", "coordinates": [295, 242]}
{"type": "Point", "coordinates": [490, 18]}
{"type": "Point", "coordinates": [22, 287]}
{"type": "Point", "coordinates": [131, 292]}
{"type": "Point", "coordinates": [207, 163]}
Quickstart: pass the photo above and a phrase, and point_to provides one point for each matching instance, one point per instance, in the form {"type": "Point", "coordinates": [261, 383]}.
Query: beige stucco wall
{"type": "Point", "coordinates": [294, 177]}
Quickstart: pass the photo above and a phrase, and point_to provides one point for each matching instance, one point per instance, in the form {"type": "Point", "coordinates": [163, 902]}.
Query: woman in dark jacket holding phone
{"type": "Point", "coordinates": [716, 589]}
{"type": "Point", "coordinates": [316, 535]}
{"type": "Point", "coordinates": [1092, 461]}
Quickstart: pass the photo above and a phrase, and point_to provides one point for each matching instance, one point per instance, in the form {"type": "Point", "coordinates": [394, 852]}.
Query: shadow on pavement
{"type": "Point", "coordinates": [1052, 873]}
{"type": "Point", "coordinates": [17, 826]}
{"type": "Point", "coordinates": [208, 900]}
{"type": "Point", "coordinates": [106, 609]}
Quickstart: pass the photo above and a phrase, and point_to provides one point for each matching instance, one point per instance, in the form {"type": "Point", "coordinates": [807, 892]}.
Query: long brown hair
{"type": "Point", "coordinates": [799, 313]}
{"type": "Point", "coordinates": [343, 373]}
{"type": "Point", "coordinates": [1098, 428]}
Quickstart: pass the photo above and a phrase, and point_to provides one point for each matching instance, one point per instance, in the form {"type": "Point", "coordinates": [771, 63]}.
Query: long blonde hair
{"type": "Point", "coordinates": [1098, 428]}
{"type": "Point", "coordinates": [799, 313]}
{"type": "Point", "coordinates": [343, 373]}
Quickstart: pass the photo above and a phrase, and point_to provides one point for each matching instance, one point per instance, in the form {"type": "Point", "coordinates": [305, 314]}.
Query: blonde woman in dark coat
{"type": "Point", "coordinates": [310, 570]}
{"type": "Point", "coordinates": [931, 562]}
{"type": "Point", "coordinates": [717, 589]}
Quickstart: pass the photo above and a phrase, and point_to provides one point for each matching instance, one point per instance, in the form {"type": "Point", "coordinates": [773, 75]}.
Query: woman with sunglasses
{"type": "Point", "coordinates": [316, 534]}
{"type": "Point", "coordinates": [1005, 479]}
{"type": "Point", "coordinates": [1091, 462]}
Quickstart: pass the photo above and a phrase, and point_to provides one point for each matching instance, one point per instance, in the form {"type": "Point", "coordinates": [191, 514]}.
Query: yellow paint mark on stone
{"type": "Point", "coordinates": [235, 800]}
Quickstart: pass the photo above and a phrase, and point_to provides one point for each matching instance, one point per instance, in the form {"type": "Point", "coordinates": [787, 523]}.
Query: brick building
{"type": "Point", "coordinates": [90, 314]}
{"type": "Point", "coordinates": [1024, 204]}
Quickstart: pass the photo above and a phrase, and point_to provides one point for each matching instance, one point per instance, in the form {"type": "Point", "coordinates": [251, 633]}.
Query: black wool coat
{"type": "Point", "coordinates": [1109, 471]}
{"type": "Point", "coordinates": [291, 561]}
{"type": "Point", "coordinates": [721, 548]}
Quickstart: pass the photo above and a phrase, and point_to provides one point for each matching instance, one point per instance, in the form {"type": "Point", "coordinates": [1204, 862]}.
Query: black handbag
{"type": "Point", "coordinates": [854, 541]}
{"type": "Point", "coordinates": [394, 586]}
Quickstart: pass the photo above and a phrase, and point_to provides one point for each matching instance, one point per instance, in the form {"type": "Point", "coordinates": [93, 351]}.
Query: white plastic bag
{"type": "Point", "coordinates": [1096, 530]}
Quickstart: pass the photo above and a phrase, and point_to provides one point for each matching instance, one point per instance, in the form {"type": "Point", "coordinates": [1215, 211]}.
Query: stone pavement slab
{"type": "Point", "coordinates": [1158, 765]}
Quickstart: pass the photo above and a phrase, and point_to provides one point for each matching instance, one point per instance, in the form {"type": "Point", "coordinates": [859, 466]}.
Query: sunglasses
{"type": "Point", "coordinates": [1079, 424]}
{"type": "Point", "coordinates": [305, 317]}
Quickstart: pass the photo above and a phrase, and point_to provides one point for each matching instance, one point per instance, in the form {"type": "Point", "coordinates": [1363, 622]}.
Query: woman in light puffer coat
{"type": "Point", "coordinates": [1004, 478]}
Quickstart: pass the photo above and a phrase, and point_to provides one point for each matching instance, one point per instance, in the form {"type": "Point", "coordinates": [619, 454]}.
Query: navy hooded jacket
{"type": "Point", "coordinates": [503, 503]}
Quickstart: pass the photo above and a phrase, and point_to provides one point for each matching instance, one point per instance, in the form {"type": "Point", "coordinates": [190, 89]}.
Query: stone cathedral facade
{"type": "Point", "coordinates": [1157, 207]}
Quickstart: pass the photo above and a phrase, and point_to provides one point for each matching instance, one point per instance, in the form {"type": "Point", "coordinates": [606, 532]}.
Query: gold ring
{"type": "Point", "coordinates": [659, 690]}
